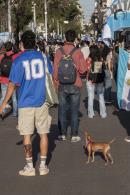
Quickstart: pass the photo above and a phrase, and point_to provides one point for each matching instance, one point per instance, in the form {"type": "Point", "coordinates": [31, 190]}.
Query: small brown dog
{"type": "Point", "coordinates": [93, 147]}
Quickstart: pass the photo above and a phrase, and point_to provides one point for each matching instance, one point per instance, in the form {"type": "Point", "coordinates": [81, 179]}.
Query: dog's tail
{"type": "Point", "coordinates": [112, 141]}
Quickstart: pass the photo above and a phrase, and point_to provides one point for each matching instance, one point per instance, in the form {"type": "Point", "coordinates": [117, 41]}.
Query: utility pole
{"type": "Point", "coordinates": [46, 29]}
{"type": "Point", "coordinates": [34, 16]}
{"type": "Point", "coordinates": [9, 16]}
{"type": "Point", "coordinates": [58, 28]}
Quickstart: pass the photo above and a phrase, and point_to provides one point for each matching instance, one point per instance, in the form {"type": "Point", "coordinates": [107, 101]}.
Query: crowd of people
{"type": "Point", "coordinates": [69, 63]}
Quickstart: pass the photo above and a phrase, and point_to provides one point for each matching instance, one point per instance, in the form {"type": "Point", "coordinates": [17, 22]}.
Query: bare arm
{"type": "Point", "coordinates": [9, 93]}
{"type": "Point", "coordinates": [56, 64]}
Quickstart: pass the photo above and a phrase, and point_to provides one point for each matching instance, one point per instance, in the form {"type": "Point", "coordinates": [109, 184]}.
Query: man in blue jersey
{"type": "Point", "coordinates": [28, 73]}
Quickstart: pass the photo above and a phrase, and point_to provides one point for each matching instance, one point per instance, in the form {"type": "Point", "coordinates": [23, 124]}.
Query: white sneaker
{"type": "Point", "coordinates": [90, 116]}
{"type": "Point", "coordinates": [27, 171]}
{"type": "Point", "coordinates": [127, 139]}
{"type": "Point", "coordinates": [62, 137]}
{"type": "Point", "coordinates": [75, 139]}
{"type": "Point", "coordinates": [103, 117]}
{"type": "Point", "coordinates": [43, 170]}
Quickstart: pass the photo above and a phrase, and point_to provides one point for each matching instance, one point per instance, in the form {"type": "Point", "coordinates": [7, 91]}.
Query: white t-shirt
{"type": "Point", "coordinates": [86, 51]}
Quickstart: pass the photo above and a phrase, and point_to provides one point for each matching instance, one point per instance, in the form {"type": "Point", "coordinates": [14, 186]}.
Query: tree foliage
{"type": "Point", "coordinates": [65, 10]}
{"type": "Point", "coordinates": [22, 13]}
{"type": "Point", "coordinates": [3, 1]}
{"type": "Point", "coordinates": [58, 11]}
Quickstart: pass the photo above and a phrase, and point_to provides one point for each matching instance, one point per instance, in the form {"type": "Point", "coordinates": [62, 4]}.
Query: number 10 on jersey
{"type": "Point", "coordinates": [34, 69]}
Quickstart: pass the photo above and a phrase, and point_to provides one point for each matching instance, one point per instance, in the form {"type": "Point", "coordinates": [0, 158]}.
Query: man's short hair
{"type": "Point", "coordinates": [8, 46]}
{"type": "Point", "coordinates": [70, 36]}
{"type": "Point", "coordinates": [28, 39]}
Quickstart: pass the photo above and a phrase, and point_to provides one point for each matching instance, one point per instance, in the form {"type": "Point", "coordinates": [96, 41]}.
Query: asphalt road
{"type": "Point", "coordinates": [69, 173]}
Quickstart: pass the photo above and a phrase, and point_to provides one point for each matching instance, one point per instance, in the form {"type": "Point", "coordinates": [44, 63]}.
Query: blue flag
{"type": "Point", "coordinates": [123, 81]}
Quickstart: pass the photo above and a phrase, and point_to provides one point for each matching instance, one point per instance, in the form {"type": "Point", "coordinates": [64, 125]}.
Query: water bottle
{"type": "Point", "coordinates": [5, 112]}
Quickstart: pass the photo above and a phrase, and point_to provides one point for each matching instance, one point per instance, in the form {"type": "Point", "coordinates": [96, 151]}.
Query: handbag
{"type": "Point", "coordinates": [51, 95]}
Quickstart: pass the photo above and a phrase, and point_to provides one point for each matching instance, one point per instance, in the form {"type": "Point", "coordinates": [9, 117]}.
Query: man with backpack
{"type": "Point", "coordinates": [69, 63]}
{"type": "Point", "coordinates": [5, 68]}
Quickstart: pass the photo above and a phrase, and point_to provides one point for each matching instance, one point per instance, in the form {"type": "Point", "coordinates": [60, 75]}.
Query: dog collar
{"type": "Point", "coordinates": [88, 142]}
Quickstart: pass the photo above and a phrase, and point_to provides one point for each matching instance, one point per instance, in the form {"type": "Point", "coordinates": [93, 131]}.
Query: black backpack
{"type": "Point", "coordinates": [5, 65]}
{"type": "Point", "coordinates": [67, 72]}
{"type": "Point", "coordinates": [97, 73]}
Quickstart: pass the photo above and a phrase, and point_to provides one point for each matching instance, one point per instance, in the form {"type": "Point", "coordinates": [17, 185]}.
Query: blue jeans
{"type": "Point", "coordinates": [14, 99]}
{"type": "Point", "coordinates": [99, 88]}
{"type": "Point", "coordinates": [108, 86]}
{"type": "Point", "coordinates": [69, 102]}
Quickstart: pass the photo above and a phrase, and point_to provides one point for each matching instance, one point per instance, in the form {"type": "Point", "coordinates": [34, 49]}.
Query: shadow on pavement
{"type": "Point", "coordinates": [124, 118]}
{"type": "Point", "coordinates": [53, 136]}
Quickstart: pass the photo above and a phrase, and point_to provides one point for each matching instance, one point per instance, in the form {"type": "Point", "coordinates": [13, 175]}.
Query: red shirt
{"type": "Point", "coordinates": [5, 80]}
{"type": "Point", "coordinates": [78, 59]}
{"type": "Point", "coordinates": [16, 55]}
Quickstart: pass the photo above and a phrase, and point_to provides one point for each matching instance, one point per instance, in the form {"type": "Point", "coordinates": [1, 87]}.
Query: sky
{"type": "Point", "coordinates": [88, 7]}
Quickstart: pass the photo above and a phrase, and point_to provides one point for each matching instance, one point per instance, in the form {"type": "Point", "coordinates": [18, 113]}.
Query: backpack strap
{"type": "Point", "coordinates": [71, 53]}
{"type": "Point", "coordinates": [62, 51]}
{"type": "Point", "coordinates": [73, 50]}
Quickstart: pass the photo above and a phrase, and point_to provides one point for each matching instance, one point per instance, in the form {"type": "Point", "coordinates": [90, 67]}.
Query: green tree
{"type": "Point", "coordinates": [3, 1]}
{"type": "Point", "coordinates": [59, 11]}
{"type": "Point", "coordinates": [22, 13]}
{"type": "Point", "coordinates": [3, 16]}
{"type": "Point", "coordinates": [21, 16]}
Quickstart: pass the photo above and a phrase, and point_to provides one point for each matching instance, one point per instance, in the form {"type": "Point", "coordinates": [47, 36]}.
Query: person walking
{"type": "Point", "coordinates": [28, 72]}
{"type": "Point", "coordinates": [95, 82]}
{"type": "Point", "coordinates": [69, 63]}
{"type": "Point", "coordinates": [6, 61]}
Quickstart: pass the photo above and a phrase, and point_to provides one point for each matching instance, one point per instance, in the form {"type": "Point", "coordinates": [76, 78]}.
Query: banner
{"type": "Point", "coordinates": [113, 24]}
{"type": "Point", "coordinates": [123, 81]}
